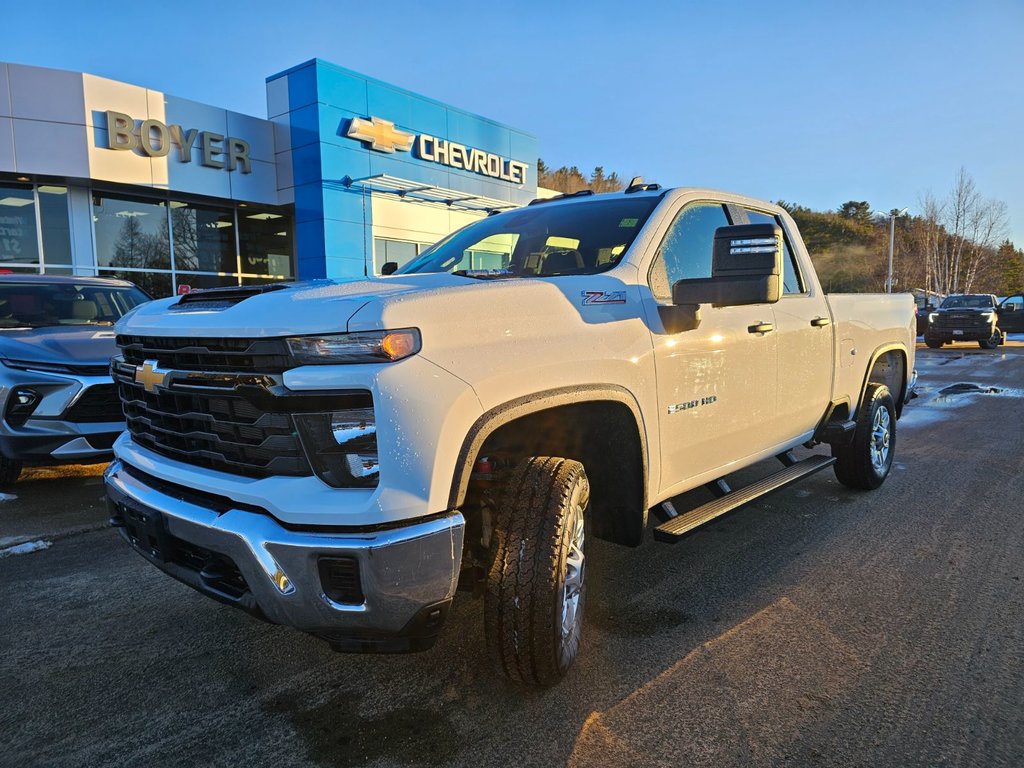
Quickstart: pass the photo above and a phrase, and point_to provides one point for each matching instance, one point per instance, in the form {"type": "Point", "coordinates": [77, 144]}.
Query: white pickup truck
{"type": "Point", "coordinates": [342, 456]}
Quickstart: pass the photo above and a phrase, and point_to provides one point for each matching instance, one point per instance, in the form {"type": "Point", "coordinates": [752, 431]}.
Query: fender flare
{"type": "Point", "coordinates": [883, 349]}
{"type": "Point", "coordinates": [495, 418]}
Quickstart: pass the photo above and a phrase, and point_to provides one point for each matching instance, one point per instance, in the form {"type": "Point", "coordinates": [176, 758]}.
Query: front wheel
{"type": "Point", "coordinates": [533, 606]}
{"type": "Point", "coordinates": [993, 342]}
{"type": "Point", "coordinates": [933, 344]}
{"type": "Point", "coordinates": [865, 462]}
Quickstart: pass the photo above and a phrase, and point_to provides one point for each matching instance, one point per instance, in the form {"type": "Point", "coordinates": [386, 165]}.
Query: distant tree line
{"type": "Point", "coordinates": [571, 179]}
{"type": "Point", "coordinates": [955, 243]}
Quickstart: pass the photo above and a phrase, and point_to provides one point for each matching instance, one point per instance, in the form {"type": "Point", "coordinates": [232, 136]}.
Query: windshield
{"type": "Point", "coordinates": [541, 240]}
{"type": "Point", "coordinates": [980, 301]}
{"type": "Point", "coordinates": [38, 305]}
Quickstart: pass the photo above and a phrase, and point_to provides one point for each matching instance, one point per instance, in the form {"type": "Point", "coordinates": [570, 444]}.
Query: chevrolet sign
{"type": "Point", "coordinates": [383, 136]}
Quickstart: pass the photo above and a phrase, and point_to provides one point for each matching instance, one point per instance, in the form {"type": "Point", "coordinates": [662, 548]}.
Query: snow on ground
{"type": "Point", "coordinates": [7, 497]}
{"type": "Point", "coordinates": [23, 549]}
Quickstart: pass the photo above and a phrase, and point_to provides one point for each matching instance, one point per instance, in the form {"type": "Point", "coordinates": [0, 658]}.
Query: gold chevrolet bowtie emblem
{"type": "Point", "coordinates": [149, 376]}
{"type": "Point", "coordinates": [381, 134]}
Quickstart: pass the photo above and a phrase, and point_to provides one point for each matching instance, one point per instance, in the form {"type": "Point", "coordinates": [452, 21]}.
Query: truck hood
{"type": "Point", "coordinates": [317, 306]}
{"type": "Point", "coordinates": [59, 345]}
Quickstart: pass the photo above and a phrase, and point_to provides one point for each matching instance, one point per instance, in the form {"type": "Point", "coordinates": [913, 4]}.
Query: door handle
{"type": "Point", "coordinates": [761, 328]}
{"type": "Point", "coordinates": [820, 322]}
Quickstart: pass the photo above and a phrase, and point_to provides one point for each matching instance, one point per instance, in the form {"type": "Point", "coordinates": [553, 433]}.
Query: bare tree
{"type": "Point", "coordinates": [960, 233]}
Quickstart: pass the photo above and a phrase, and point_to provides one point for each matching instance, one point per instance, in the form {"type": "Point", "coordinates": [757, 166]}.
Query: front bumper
{"type": "Point", "coordinates": [948, 334]}
{"type": "Point", "coordinates": [48, 437]}
{"type": "Point", "coordinates": [407, 574]}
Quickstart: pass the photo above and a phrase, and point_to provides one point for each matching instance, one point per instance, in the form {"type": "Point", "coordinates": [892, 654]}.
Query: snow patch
{"type": "Point", "coordinates": [24, 549]}
{"type": "Point", "coordinates": [7, 497]}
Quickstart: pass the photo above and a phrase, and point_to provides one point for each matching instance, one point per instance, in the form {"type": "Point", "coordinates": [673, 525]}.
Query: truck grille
{"type": "Point", "coordinates": [219, 431]}
{"type": "Point", "coordinates": [99, 403]}
{"type": "Point", "coordinates": [959, 320]}
{"type": "Point", "coordinates": [192, 354]}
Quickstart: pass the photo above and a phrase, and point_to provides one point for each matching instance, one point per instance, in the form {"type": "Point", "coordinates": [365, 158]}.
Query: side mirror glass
{"type": "Point", "coordinates": [389, 268]}
{"type": "Point", "coordinates": [746, 268]}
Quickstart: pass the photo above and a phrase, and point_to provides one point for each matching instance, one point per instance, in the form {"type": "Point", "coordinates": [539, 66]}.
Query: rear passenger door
{"type": "Point", "coordinates": [804, 338]}
{"type": "Point", "coordinates": [1011, 314]}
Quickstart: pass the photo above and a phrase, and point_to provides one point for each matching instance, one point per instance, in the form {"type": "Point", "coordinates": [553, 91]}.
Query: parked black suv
{"type": "Point", "coordinates": [965, 317]}
{"type": "Point", "coordinates": [57, 400]}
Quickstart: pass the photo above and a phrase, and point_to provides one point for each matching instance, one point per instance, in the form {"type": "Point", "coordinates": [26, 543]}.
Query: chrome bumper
{"type": "Point", "coordinates": [408, 574]}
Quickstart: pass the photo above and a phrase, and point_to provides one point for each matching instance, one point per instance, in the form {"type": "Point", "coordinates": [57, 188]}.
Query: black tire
{"type": "Point", "coordinates": [9, 471]}
{"type": "Point", "coordinates": [933, 344]}
{"type": "Point", "coordinates": [857, 463]}
{"type": "Point", "coordinates": [537, 540]}
{"type": "Point", "coordinates": [992, 343]}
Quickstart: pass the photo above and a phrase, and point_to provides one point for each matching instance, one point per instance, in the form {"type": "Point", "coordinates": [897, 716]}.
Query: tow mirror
{"type": "Point", "coordinates": [1008, 308]}
{"type": "Point", "coordinates": [746, 268]}
{"type": "Point", "coordinates": [389, 268]}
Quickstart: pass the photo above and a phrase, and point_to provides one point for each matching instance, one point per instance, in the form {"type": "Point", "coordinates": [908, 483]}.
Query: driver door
{"type": "Point", "coordinates": [1011, 314]}
{"type": "Point", "coordinates": [717, 384]}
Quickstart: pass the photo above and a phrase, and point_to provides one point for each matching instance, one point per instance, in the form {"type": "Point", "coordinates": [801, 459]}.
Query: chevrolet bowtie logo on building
{"type": "Point", "coordinates": [380, 134]}
{"type": "Point", "coordinates": [149, 376]}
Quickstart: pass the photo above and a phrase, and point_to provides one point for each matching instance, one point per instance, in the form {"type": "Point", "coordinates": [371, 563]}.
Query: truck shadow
{"type": "Point", "coordinates": [647, 608]}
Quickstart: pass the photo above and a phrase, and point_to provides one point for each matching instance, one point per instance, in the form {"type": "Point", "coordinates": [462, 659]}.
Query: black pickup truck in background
{"type": "Point", "coordinates": [976, 317]}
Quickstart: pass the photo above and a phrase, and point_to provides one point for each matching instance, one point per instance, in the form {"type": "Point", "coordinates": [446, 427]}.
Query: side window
{"type": "Point", "coordinates": [686, 250]}
{"type": "Point", "coordinates": [791, 282]}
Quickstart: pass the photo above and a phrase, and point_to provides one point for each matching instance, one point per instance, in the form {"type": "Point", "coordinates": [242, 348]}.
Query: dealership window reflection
{"type": "Point", "coordinates": [18, 242]}
{"type": "Point", "coordinates": [265, 241]}
{"type": "Point", "coordinates": [131, 233]}
{"type": "Point", "coordinates": [204, 238]}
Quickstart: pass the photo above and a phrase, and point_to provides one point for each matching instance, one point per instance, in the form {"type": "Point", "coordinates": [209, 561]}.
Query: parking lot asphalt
{"type": "Point", "coordinates": [819, 626]}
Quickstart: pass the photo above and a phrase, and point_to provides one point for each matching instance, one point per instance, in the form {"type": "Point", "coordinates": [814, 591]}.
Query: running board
{"type": "Point", "coordinates": [676, 528]}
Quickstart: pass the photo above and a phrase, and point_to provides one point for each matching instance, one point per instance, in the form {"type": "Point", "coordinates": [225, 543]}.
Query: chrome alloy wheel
{"type": "Point", "coordinates": [880, 436]}
{"type": "Point", "coordinates": [574, 571]}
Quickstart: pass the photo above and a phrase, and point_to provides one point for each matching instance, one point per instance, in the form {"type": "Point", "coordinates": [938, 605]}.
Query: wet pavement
{"type": "Point", "coordinates": [818, 626]}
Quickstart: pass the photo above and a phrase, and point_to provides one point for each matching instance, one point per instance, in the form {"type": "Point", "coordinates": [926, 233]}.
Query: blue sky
{"type": "Point", "coordinates": [815, 103]}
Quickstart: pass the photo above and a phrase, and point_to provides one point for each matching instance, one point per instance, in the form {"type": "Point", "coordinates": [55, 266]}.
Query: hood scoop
{"type": "Point", "coordinates": [222, 298]}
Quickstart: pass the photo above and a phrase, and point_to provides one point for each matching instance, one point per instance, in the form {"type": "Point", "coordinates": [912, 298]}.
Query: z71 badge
{"type": "Point", "coordinates": [603, 297]}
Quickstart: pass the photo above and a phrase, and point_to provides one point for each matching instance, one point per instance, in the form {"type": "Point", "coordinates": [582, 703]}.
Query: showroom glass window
{"type": "Point", "coordinates": [265, 243]}
{"type": "Point", "coordinates": [55, 224]}
{"type": "Point", "coordinates": [19, 242]}
{"type": "Point", "coordinates": [204, 238]}
{"type": "Point", "coordinates": [131, 233]}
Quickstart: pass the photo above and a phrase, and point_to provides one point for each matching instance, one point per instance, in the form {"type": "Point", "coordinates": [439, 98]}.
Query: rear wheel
{"type": "Point", "coordinates": [533, 606]}
{"type": "Point", "coordinates": [933, 344]}
{"type": "Point", "coordinates": [9, 471]}
{"type": "Point", "coordinates": [865, 462]}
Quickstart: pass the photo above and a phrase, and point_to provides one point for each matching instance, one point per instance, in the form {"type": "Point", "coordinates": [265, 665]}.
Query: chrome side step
{"type": "Point", "coordinates": [676, 528]}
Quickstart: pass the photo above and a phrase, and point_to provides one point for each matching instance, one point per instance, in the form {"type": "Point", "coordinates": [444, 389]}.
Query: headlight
{"type": "Point", "coordinates": [360, 347]}
{"type": "Point", "coordinates": [988, 316]}
{"type": "Point", "coordinates": [341, 446]}
{"type": "Point", "coordinates": [932, 317]}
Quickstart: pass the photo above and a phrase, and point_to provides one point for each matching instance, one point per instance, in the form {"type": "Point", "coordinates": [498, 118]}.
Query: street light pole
{"type": "Point", "coordinates": [892, 244]}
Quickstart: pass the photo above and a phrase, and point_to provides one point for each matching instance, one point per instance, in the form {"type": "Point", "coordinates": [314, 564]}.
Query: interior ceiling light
{"type": "Point", "coordinates": [53, 190]}
{"type": "Point", "coordinates": [23, 178]}
{"type": "Point", "coordinates": [263, 216]}
{"type": "Point", "coordinates": [131, 214]}
{"type": "Point", "coordinates": [15, 202]}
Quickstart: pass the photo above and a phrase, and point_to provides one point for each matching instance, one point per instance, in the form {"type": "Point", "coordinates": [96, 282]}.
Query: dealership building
{"type": "Point", "coordinates": [99, 177]}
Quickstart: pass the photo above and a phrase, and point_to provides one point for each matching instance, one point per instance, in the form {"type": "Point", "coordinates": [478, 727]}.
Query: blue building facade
{"type": "Point", "coordinates": [347, 139]}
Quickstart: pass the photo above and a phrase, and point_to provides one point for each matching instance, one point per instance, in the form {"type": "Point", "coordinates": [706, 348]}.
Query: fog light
{"type": "Point", "coordinates": [20, 405]}
{"type": "Point", "coordinates": [341, 446]}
